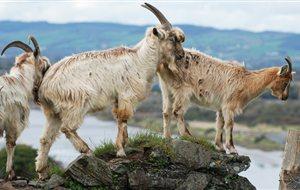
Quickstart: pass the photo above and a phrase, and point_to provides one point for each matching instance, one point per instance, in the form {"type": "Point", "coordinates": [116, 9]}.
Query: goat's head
{"type": "Point", "coordinates": [281, 85]}
{"type": "Point", "coordinates": [30, 57]}
{"type": "Point", "coordinates": [169, 38]}
{"type": "Point", "coordinates": [30, 60]}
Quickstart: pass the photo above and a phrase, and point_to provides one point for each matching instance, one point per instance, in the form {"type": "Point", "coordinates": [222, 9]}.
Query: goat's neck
{"type": "Point", "coordinates": [148, 57]}
{"type": "Point", "coordinates": [259, 81]}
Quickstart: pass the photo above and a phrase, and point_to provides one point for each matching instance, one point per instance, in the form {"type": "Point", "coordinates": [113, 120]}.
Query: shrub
{"type": "Point", "coordinates": [24, 162]}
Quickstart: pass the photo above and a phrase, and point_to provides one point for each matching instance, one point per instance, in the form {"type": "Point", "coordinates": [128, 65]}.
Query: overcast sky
{"type": "Point", "coordinates": [248, 15]}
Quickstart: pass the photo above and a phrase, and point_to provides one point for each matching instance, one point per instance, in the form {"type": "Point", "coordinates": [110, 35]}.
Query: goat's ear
{"type": "Point", "coordinates": [158, 33]}
{"type": "Point", "coordinates": [284, 70]}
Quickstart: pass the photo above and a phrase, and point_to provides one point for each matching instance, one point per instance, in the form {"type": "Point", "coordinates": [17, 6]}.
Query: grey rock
{"type": "Point", "coordinates": [190, 154]}
{"type": "Point", "coordinates": [90, 171]}
{"type": "Point", "coordinates": [19, 183]}
{"type": "Point", "coordinates": [232, 164]}
{"type": "Point", "coordinates": [139, 179]}
{"type": "Point", "coordinates": [54, 182]}
{"type": "Point", "coordinates": [195, 181]}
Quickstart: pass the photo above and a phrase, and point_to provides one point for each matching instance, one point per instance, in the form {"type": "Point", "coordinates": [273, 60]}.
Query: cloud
{"type": "Point", "coordinates": [253, 16]}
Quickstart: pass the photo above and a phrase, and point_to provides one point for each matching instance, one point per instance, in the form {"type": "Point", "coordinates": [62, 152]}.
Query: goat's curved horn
{"type": "Point", "coordinates": [289, 62]}
{"type": "Point", "coordinates": [162, 19]}
{"type": "Point", "coordinates": [17, 44]}
{"type": "Point", "coordinates": [37, 50]}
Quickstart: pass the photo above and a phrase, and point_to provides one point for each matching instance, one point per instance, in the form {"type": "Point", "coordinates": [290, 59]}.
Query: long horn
{"type": "Point", "coordinates": [37, 50]}
{"type": "Point", "coordinates": [17, 44]}
{"type": "Point", "coordinates": [162, 19]}
{"type": "Point", "coordinates": [289, 62]}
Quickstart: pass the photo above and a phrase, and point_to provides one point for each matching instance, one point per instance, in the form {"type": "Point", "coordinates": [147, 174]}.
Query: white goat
{"type": "Point", "coordinates": [223, 86]}
{"type": "Point", "coordinates": [91, 81]}
{"type": "Point", "coordinates": [18, 87]}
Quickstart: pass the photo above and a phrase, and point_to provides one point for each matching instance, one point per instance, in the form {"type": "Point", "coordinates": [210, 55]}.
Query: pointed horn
{"type": "Point", "coordinates": [17, 44]}
{"type": "Point", "coordinates": [166, 24]}
{"type": "Point", "coordinates": [289, 62]}
{"type": "Point", "coordinates": [37, 50]}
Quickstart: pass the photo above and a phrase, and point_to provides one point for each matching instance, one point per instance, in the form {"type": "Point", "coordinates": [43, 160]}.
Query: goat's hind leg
{"type": "Point", "coordinates": [10, 148]}
{"type": "Point", "coordinates": [51, 131]}
{"type": "Point", "coordinates": [71, 121]}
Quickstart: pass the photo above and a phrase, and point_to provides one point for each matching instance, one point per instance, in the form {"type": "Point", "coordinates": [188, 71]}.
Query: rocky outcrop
{"type": "Point", "coordinates": [184, 166]}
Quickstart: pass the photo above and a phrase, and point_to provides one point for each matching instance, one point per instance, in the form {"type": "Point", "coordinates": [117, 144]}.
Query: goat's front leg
{"type": "Point", "coordinates": [122, 111]}
{"type": "Point", "coordinates": [229, 122]}
{"type": "Point", "coordinates": [167, 108]}
{"type": "Point", "coordinates": [179, 107]}
{"type": "Point", "coordinates": [11, 137]}
{"type": "Point", "coordinates": [219, 131]}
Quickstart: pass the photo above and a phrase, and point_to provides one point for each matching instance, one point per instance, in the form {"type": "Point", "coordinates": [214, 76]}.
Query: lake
{"type": "Point", "coordinates": [263, 172]}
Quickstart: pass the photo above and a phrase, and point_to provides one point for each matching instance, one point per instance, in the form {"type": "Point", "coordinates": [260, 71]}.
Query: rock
{"type": "Point", "coordinates": [6, 186]}
{"type": "Point", "coordinates": [232, 164]}
{"type": "Point", "coordinates": [90, 171]}
{"type": "Point", "coordinates": [19, 183]}
{"type": "Point", "coordinates": [139, 179]}
{"type": "Point", "coordinates": [191, 154]}
{"type": "Point", "coordinates": [195, 181]}
{"type": "Point", "coordinates": [54, 182]}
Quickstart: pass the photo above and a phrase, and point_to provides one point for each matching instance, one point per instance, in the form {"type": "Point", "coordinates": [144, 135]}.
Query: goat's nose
{"type": "Point", "coordinates": [284, 98]}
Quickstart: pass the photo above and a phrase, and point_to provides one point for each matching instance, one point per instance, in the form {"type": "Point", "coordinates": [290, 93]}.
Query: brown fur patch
{"type": "Point", "coordinates": [122, 115]}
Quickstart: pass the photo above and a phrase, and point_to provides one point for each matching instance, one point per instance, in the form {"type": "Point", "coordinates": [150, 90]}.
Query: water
{"type": "Point", "coordinates": [263, 172]}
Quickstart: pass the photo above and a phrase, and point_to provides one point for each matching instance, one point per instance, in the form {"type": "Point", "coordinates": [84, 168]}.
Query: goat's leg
{"type": "Point", "coordinates": [71, 121]}
{"type": "Point", "coordinates": [167, 108]}
{"type": "Point", "coordinates": [50, 133]}
{"type": "Point", "coordinates": [123, 110]}
{"type": "Point", "coordinates": [229, 121]}
{"type": "Point", "coordinates": [179, 107]}
{"type": "Point", "coordinates": [219, 131]}
{"type": "Point", "coordinates": [11, 137]}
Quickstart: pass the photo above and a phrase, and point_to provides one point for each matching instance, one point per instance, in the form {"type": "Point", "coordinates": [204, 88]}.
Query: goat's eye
{"type": "Point", "coordinates": [172, 39]}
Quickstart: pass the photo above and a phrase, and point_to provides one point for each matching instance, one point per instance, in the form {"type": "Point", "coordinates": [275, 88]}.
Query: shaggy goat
{"type": "Point", "coordinates": [18, 87]}
{"type": "Point", "coordinates": [225, 87]}
{"type": "Point", "coordinates": [91, 81]}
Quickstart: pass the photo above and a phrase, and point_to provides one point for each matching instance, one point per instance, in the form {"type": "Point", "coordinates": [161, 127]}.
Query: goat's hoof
{"type": "Point", "coordinates": [10, 175]}
{"type": "Point", "coordinates": [121, 153]}
{"type": "Point", "coordinates": [89, 153]}
{"type": "Point", "coordinates": [42, 176]}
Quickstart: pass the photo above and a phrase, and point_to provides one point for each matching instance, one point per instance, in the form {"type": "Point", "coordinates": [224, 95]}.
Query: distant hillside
{"type": "Point", "coordinates": [58, 40]}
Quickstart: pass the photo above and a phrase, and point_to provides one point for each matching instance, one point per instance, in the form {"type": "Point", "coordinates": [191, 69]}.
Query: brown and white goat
{"type": "Point", "coordinates": [18, 88]}
{"type": "Point", "coordinates": [223, 86]}
{"type": "Point", "coordinates": [91, 81]}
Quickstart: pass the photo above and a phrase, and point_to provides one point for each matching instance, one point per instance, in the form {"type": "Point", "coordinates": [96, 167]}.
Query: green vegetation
{"type": "Point", "coordinates": [24, 162]}
{"type": "Point", "coordinates": [74, 185]}
{"type": "Point", "coordinates": [139, 141]}
{"type": "Point", "coordinates": [200, 140]}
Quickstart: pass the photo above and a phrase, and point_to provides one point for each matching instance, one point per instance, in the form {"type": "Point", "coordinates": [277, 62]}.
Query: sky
{"type": "Point", "coordinates": [255, 16]}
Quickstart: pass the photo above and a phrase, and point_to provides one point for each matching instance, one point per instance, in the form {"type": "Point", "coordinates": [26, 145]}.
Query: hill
{"type": "Point", "coordinates": [58, 40]}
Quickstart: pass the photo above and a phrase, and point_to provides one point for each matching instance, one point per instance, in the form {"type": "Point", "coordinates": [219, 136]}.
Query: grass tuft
{"type": "Point", "coordinates": [200, 140]}
{"type": "Point", "coordinates": [151, 140]}
{"type": "Point", "coordinates": [107, 147]}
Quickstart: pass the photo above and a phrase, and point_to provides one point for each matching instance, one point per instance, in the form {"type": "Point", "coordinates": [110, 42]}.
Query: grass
{"type": "Point", "coordinates": [107, 147]}
{"type": "Point", "coordinates": [140, 141]}
{"type": "Point", "coordinates": [24, 162]}
{"type": "Point", "coordinates": [200, 140]}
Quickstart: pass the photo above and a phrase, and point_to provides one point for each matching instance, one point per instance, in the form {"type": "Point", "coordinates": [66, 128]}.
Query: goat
{"type": "Point", "coordinates": [223, 86]}
{"type": "Point", "coordinates": [18, 88]}
{"type": "Point", "coordinates": [91, 81]}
